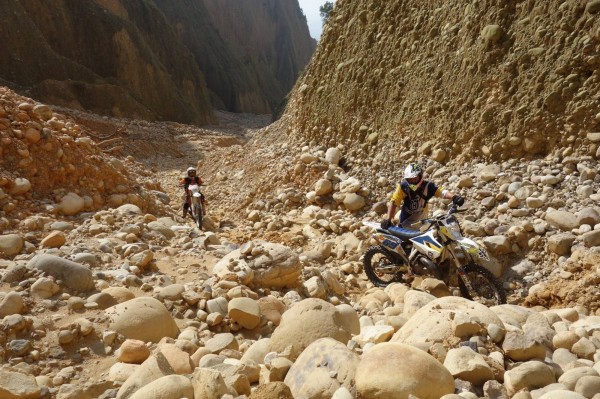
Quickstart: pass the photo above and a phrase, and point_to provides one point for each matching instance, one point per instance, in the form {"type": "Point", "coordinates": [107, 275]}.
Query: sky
{"type": "Point", "coordinates": [311, 10]}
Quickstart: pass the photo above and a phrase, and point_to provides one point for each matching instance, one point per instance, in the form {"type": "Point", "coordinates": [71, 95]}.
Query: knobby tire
{"type": "Point", "coordinates": [198, 216]}
{"type": "Point", "coordinates": [476, 273]}
{"type": "Point", "coordinates": [371, 270]}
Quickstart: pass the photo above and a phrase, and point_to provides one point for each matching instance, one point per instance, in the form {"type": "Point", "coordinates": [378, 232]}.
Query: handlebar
{"type": "Point", "coordinates": [453, 209]}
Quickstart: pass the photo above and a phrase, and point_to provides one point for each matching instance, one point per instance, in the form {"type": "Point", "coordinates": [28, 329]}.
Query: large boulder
{"type": "Point", "coordinates": [272, 390]}
{"type": "Point", "coordinates": [561, 243]}
{"type": "Point", "coordinates": [161, 228]}
{"type": "Point", "coordinates": [563, 220]}
{"type": "Point", "coordinates": [55, 239]}
{"type": "Point", "coordinates": [119, 294]}
{"type": "Point", "coordinates": [489, 172]}
{"type": "Point", "coordinates": [244, 311]}
{"type": "Point", "coordinates": [143, 318]}
{"type": "Point", "coordinates": [208, 384]}
{"type": "Point", "coordinates": [468, 365]}
{"type": "Point", "coordinates": [11, 303]}
{"type": "Point", "coordinates": [497, 245]}
{"type": "Point", "coordinates": [513, 315]}
{"type": "Point", "coordinates": [18, 386]}
{"type": "Point", "coordinates": [333, 155]}
{"type": "Point", "coordinates": [261, 264]}
{"type": "Point", "coordinates": [71, 204]}
{"type": "Point", "coordinates": [323, 187]}
{"type": "Point", "coordinates": [529, 375]}
{"type": "Point", "coordinates": [130, 209]}
{"type": "Point", "coordinates": [10, 244]}
{"type": "Point", "coordinates": [167, 387]}
{"type": "Point", "coordinates": [111, 296]}
{"type": "Point", "coordinates": [152, 369]}
{"type": "Point", "coordinates": [305, 322]}
{"type": "Point", "coordinates": [393, 370]}
{"type": "Point", "coordinates": [354, 202]}
{"type": "Point", "coordinates": [434, 322]}
{"type": "Point", "coordinates": [257, 351]}
{"type": "Point", "coordinates": [74, 275]}
{"type": "Point", "coordinates": [133, 351]}
{"type": "Point", "coordinates": [322, 368]}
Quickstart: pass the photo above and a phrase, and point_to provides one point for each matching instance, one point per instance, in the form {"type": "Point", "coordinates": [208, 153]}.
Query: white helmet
{"type": "Point", "coordinates": [191, 169]}
{"type": "Point", "coordinates": [413, 174]}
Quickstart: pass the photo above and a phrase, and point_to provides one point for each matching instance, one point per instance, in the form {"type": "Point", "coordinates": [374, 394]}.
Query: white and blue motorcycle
{"type": "Point", "coordinates": [438, 250]}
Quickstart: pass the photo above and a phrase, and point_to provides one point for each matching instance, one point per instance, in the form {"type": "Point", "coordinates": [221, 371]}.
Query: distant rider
{"type": "Point", "coordinates": [185, 183]}
{"type": "Point", "coordinates": [413, 194]}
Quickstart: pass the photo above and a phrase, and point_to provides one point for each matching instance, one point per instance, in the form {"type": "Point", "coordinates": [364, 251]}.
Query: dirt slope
{"type": "Point", "coordinates": [45, 156]}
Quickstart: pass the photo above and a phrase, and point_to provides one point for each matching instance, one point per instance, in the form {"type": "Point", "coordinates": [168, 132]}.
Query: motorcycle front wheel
{"type": "Point", "coordinates": [198, 216]}
{"type": "Point", "coordinates": [381, 267]}
{"type": "Point", "coordinates": [485, 289]}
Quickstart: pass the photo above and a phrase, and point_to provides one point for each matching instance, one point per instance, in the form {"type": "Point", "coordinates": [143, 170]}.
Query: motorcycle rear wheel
{"type": "Point", "coordinates": [486, 289]}
{"type": "Point", "coordinates": [375, 259]}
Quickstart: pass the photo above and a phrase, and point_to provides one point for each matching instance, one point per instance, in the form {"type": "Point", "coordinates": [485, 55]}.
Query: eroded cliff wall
{"type": "Point", "coordinates": [478, 78]}
{"type": "Point", "coordinates": [271, 35]}
{"type": "Point", "coordinates": [154, 59]}
{"type": "Point", "coordinates": [119, 58]}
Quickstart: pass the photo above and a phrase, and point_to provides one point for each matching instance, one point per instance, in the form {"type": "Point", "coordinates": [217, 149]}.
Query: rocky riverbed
{"type": "Point", "coordinates": [106, 292]}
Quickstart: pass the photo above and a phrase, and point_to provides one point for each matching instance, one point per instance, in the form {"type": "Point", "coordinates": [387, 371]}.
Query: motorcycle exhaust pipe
{"type": "Point", "coordinates": [428, 264]}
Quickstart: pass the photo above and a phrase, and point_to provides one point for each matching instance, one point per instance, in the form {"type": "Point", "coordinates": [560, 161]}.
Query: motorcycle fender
{"type": "Point", "coordinates": [390, 242]}
{"type": "Point", "coordinates": [473, 248]}
{"type": "Point", "coordinates": [428, 245]}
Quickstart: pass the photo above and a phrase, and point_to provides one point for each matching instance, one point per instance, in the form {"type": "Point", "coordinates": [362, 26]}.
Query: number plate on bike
{"type": "Point", "coordinates": [390, 244]}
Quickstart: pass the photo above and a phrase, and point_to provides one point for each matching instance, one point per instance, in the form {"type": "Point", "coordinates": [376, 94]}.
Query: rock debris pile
{"type": "Point", "coordinates": [269, 300]}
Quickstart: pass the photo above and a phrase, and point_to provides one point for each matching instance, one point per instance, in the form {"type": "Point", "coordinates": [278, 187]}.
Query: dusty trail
{"type": "Point", "coordinates": [167, 149]}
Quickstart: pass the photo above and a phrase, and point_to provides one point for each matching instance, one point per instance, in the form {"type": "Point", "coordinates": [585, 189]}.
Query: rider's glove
{"type": "Point", "coordinates": [458, 200]}
{"type": "Point", "coordinates": [386, 223]}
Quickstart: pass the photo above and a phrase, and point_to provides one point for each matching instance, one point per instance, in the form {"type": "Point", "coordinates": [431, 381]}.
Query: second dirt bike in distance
{"type": "Point", "coordinates": [196, 204]}
{"type": "Point", "coordinates": [440, 251]}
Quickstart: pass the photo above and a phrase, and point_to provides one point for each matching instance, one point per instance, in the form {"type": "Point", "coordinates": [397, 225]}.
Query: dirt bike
{"type": "Point", "coordinates": [196, 205]}
{"type": "Point", "coordinates": [438, 250]}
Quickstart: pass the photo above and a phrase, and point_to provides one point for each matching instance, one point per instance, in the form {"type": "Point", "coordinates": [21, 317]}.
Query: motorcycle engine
{"type": "Point", "coordinates": [423, 266]}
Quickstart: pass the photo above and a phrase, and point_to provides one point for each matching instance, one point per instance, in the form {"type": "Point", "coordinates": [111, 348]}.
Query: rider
{"type": "Point", "coordinates": [185, 183]}
{"type": "Point", "coordinates": [413, 194]}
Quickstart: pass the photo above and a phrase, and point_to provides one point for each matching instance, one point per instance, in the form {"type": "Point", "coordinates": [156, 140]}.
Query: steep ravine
{"type": "Point", "coordinates": [154, 60]}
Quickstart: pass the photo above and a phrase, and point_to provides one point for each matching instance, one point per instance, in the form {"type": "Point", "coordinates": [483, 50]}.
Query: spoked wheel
{"type": "Point", "coordinates": [198, 216]}
{"type": "Point", "coordinates": [381, 267]}
{"type": "Point", "coordinates": [485, 289]}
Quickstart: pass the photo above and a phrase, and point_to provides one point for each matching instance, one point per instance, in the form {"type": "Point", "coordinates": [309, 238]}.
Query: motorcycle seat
{"type": "Point", "coordinates": [403, 233]}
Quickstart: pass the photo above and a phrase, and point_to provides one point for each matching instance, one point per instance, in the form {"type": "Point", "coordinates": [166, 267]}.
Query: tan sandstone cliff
{"type": "Point", "coordinates": [158, 60]}
{"type": "Point", "coordinates": [486, 78]}
{"type": "Point", "coordinates": [271, 35]}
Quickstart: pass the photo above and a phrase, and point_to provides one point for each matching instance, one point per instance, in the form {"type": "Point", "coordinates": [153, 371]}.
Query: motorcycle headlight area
{"type": "Point", "coordinates": [474, 249]}
{"type": "Point", "coordinates": [451, 229]}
